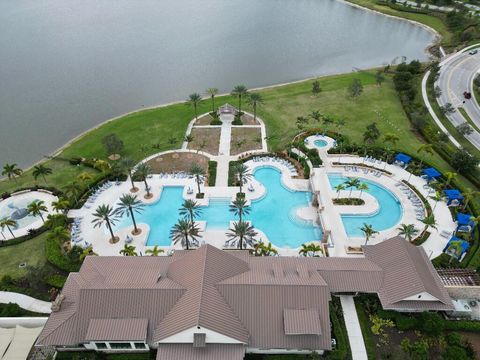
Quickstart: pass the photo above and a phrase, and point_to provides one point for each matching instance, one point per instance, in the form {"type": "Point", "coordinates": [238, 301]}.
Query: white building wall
{"type": "Point", "coordinates": [186, 336]}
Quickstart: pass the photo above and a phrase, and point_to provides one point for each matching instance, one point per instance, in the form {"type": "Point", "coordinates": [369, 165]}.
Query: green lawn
{"type": "Point", "coordinates": [31, 251]}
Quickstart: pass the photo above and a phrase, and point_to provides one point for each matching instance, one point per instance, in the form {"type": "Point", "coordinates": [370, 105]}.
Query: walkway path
{"type": "Point", "coordinates": [355, 337]}
{"type": "Point", "coordinates": [223, 158]}
{"type": "Point", "coordinates": [25, 302]}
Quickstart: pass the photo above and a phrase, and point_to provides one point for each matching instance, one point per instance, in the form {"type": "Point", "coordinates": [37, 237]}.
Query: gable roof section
{"type": "Point", "coordinates": [209, 352]}
{"type": "Point", "coordinates": [202, 305]}
{"type": "Point", "coordinates": [117, 330]}
{"type": "Point", "coordinates": [302, 322]}
{"type": "Point", "coordinates": [406, 272]}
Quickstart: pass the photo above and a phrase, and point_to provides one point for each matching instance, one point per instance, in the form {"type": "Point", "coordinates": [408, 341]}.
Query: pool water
{"type": "Point", "coordinates": [273, 214]}
{"type": "Point", "coordinates": [9, 206]}
{"type": "Point", "coordinates": [388, 216]}
{"type": "Point", "coordinates": [320, 143]}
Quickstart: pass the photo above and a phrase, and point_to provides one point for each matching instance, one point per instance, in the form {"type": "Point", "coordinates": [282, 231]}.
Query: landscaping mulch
{"type": "Point", "coordinates": [245, 139]}
{"type": "Point", "coordinates": [175, 162]}
{"type": "Point", "coordinates": [205, 139]}
{"type": "Point", "coordinates": [249, 120]}
{"type": "Point", "coordinates": [204, 120]}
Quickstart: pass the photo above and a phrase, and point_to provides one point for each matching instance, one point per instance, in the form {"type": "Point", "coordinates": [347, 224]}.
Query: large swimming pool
{"type": "Point", "coordinates": [387, 216]}
{"type": "Point", "coordinates": [17, 210]}
{"type": "Point", "coordinates": [273, 214]}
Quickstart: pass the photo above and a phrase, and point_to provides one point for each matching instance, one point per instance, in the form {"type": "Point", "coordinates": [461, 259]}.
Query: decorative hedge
{"type": "Point", "coordinates": [58, 259]}
{"type": "Point", "coordinates": [56, 280]}
{"type": "Point", "coordinates": [212, 173]}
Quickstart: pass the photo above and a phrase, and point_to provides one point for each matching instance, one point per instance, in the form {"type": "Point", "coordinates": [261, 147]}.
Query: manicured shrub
{"type": "Point", "coordinates": [57, 281]}
{"type": "Point", "coordinates": [58, 259]}
{"type": "Point", "coordinates": [212, 173]}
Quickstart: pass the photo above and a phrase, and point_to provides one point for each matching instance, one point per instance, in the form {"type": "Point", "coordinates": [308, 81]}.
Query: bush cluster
{"type": "Point", "coordinates": [212, 173]}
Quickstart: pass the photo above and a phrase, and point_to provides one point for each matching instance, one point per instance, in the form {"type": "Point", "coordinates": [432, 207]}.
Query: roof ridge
{"type": "Point", "coordinates": [202, 287]}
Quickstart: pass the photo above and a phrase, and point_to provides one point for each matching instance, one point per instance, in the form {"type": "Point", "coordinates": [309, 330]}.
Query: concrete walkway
{"type": "Point", "coordinates": [355, 337]}
{"type": "Point", "coordinates": [25, 302]}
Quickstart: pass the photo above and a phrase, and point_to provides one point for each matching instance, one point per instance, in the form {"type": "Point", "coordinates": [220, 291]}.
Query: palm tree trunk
{"type": "Point", "coordinates": [254, 111]}
{"type": "Point", "coordinates": [133, 219]}
{"type": "Point", "coordinates": [44, 179]}
{"type": "Point", "coordinates": [191, 218]}
{"type": "Point", "coordinates": [241, 241]}
{"type": "Point", "coordinates": [41, 217]}
{"type": "Point", "coordinates": [11, 232]}
{"type": "Point", "coordinates": [146, 186]}
{"type": "Point", "coordinates": [366, 240]}
{"type": "Point", "coordinates": [198, 183]}
{"type": "Point", "coordinates": [110, 229]}
{"type": "Point", "coordinates": [239, 103]}
{"type": "Point", "coordinates": [350, 193]}
{"type": "Point", "coordinates": [241, 183]}
{"type": "Point", "coordinates": [195, 109]}
{"type": "Point", "coordinates": [213, 103]}
{"type": "Point", "coordinates": [186, 240]}
{"type": "Point", "coordinates": [131, 179]}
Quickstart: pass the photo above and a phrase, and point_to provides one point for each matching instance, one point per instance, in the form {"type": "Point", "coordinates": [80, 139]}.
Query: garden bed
{"type": "Point", "coordinates": [245, 139]}
{"type": "Point", "coordinates": [205, 139]}
{"type": "Point", "coordinates": [177, 161]}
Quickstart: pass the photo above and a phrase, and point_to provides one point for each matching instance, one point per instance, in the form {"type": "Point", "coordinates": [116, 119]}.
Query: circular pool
{"type": "Point", "coordinates": [320, 143]}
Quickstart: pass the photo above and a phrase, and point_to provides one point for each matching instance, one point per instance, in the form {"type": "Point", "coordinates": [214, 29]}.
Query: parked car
{"type": "Point", "coordinates": [467, 95]}
{"type": "Point", "coordinates": [473, 52]}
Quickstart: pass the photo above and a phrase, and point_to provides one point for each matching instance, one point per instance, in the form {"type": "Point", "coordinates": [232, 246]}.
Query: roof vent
{"type": "Point", "coordinates": [278, 271]}
{"type": "Point", "coordinates": [302, 271]}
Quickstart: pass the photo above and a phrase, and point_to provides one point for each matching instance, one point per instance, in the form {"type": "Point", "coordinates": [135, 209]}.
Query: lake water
{"type": "Point", "coordinates": [67, 65]}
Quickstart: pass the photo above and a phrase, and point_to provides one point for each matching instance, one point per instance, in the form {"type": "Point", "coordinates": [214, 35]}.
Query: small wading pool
{"type": "Point", "coordinates": [17, 210]}
{"type": "Point", "coordinates": [274, 214]}
{"type": "Point", "coordinates": [320, 143]}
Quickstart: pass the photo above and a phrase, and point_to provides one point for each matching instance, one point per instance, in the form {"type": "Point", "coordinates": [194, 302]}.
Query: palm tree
{"type": "Point", "coordinates": [427, 149]}
{"type": "Point", "coordinates": [8, 223]}
{"type": "Point", "coordinates": [316, 115]}
{"type": "Point", "coordinates": [127, 165]}
{"type": "Point", "coordinates": [437, 197]}
{"type": "Point", "coordinates": [351, 183]}
{"type": "Point", "coordinates": [391, 139]}
{"type": "Point", "coordinates": [85, 177]}
{"type": "Point", "coordinates": [368, 231]}
{"type": "Point", "coordinates": [310, 250]}
{"type": "Point", "coordinates": [212, 92]}
{"type": "Point", "coordinates": [407, 231]}
{"type": "Point", "coordinates": [268, 250]}
{"type": "Point", "coordinates": [36, 208]}
{"type": "Point", "coordinates": [61, 205]}
{"type": "Point", "coordinates": [128, 250]}
{"type": "Point", "coordinates": [155, 251]}
{"type": "Point", "coordinates": [41, 170]}
{"type": "Point", "coordinates": [194, 99]}
{"type": "Point", "coordinates": [60, 234]}
{"type": "Point", "coordinates": [143, 170]}
{"type": "Point", "coordinates": [104, 214]}
{"type": "Point", "coordinates": [362, 187]}
{"type": "Point", "coordinates": [11, 171]}
{"type": "Point", "coordinates": [182, 231]}
{"type": "Point", "coordinates": [239, 91]}
{"type": "Point", "coordinates": [255, 99]}
{"type": "Point", "coordinates": [198, 172]}
{"type": "Point", "coordinates": [468, 195]}
{"type": "Point", "coordinates": [242, 231]}
{"type": "Point", "coordinates": [339, 188]}
{"type": "Point", "coordinates": [242, 173]}
{"type": "Point", "coordinates": [240, 208]}
{"type": "Point", "coordinates": [127, 206]}
{"type": "Point", "coordinates": [190, 209]}
{"type": "Point", "coordinates": [429, 221]}
{"type": "Point", "coordinates": [87, 252]}
{"type": "Point", "coordinates": [450, 176]}
{"type": "Point", "coordinates": [73, 190]}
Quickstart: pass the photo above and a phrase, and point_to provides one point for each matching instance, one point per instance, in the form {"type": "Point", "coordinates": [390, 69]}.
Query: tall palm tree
{"type": "Point", "coordinates": [391, 139]}
{"type": "Point", "coordinates": [242, 173]}
{"type": "Point", "coordinates": [128, 250]}
{"type": "Point", "coordinates": [41, 170]}
{"type": "Point", "coordinates": [255, 99]}
{"type": "Point", "coordinates": [127, 165]}
{"type": "Point", "coordinates": [242, 231]}
{"type": "Point", "coordinates": [407, 231]}
{"type": "Point", "coordinates": [468, 195]}
{"type": "Point", "coordinates": [239, 91]}
{"type": "Point", "coordinates": [36, 208]}
{"type": "Point", "coordinates": [450, 176]}
{"type": "Point", "coordinates": [185, 233]}
{"type": "Point", "coordinates": [11, 171]}
{"type": "Point", "coordinates": [190, 209]}
{"type": "Point", "coordinates": [437, 197]}
{"type": "Point", "coordinates": [128, 205]}
{"type": "Point", "coordinates": [73, 190]}
{"type": "Point", "coordinates": [87, 252]}
{"type": "Point", "coordinates": [60, 234]}
{"type": "Point", "coordinates": [142, 171]}
{"type": "Point", "coordinates": [429, 221]}
{"type": "Point", "coordinates": [155, 251]}
{"type": "Point", "coordinates": [194, 99]}
{"type": "Point", "coordinates": [368, 231]}
{"type": "Point", "coordinates": [212, 92]}
{"type": "Point", "coordinates": [362, 187]}
{"type": "Point", "coordinates": [239, 208]}
{"type": "Point", "coordinates": [310, 250]}
{"type": "Point", "coordinates": [104, 214]}
{"type": "Point", "coordinates": [351, 183]}
{"type": "Point", "coordinates": [8, 223]}
{"type": "Point", "coordinates": [61, 205]}
{"type": "Point", "coordinates": [339, 188]}
{"type": "Point", "coordinates": [427, 149]}
{"type": "Point", "coordinates": [198, 172]}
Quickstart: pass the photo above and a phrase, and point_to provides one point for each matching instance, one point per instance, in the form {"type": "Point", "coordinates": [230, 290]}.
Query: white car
{"type": "Point", "coordinates": [473, 52]}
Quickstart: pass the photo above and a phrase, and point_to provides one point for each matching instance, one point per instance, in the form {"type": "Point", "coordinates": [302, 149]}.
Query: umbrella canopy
{"type": "Point", "coordinates": [403, 158]}
{"type": "Point", "coordinates": [432, 173]}
{"type": "Point", "coordinates": [464, 219]}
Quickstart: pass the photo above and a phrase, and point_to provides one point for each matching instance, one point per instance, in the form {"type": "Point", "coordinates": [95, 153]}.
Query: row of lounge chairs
{"type": "Point", "coordinates": [375, 173]}
{"type": "Point", "coordinates": [278, 160]}
{"type": "Point", "coordinates": [76, 233]}
{"type": "Point", "coordinates": [97, 193]}
{"type": "Point", "coordinates": [373, 160]}
{"type": "Point", "coordinates": [175, 175]}
{"type": "Point", "coordinates": [416, 202]}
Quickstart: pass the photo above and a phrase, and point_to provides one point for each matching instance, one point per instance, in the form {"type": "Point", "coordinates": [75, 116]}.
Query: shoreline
{"type": "Point", "coordinates": [56, 152]}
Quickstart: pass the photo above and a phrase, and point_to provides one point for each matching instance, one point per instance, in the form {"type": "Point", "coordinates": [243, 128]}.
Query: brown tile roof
{"type": "Point", "coordinates": [210, 352]}
{"type": "Point", "coordinates": [407, 272]}
{"type": "Point", "coordinates": [302, 322]}
{"type": "Point", "coordinates": [117, 330]}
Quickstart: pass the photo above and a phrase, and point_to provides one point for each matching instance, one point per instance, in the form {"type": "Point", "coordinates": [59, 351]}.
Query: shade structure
{"type": "Point", "coordinates": [405, 159]}
{"type": "Point", "coordinates": [464, 219]}
{"type": "Point", "coordinates": [454, 196]}
{"type": "Point", "coordinates": [456, 247]}
{"type": "Point", "coordinates": [431, 173]}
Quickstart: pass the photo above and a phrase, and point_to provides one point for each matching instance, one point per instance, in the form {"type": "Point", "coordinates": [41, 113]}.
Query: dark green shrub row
{"type": "Point", "coordinates": [238, 119]}
{"type": "Point", "coordinates": [32, 233]}
{"type": "Point", "coordinates": [348, 201]}
{"type": "Point", "coordinates": [53, 190]}
{"type": "Point", "coordinates": [312, 154]}
{"type": "Point", "coordinates": [56, 280]}
{"type": "Point", "coordinates": [366, 331]}
{"type": "Point", "coordinates": [303, 162]}
{"type": "Point", "coordinates": [212, 173]}
{"type": "Point", "coordinates": [90, 355]}
{"type": "Point", "coordinates": [13, 310]}
{"type": "Point", "coordinates": [339, 331]}
{"type": "Point", "coordinates": [57, 258]}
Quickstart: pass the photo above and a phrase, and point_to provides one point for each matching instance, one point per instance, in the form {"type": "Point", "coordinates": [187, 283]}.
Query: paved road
{"type": "Point", "coordinates": [456, 76]}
